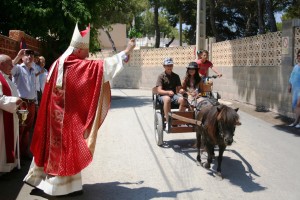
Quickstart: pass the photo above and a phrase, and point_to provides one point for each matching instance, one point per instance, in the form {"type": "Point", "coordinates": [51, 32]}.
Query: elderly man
{"type": "Point", "coordinates": [9, 123]}
{"type": "Point", "coordinates": [75, 101]}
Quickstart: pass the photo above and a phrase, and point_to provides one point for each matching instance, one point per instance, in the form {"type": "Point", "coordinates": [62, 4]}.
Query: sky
{"type": "Point", "coordinates": [278, 17]}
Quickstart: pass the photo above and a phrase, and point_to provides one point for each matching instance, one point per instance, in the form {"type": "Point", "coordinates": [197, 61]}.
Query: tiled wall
{"type": "Point", "coordinates": [252, 69]}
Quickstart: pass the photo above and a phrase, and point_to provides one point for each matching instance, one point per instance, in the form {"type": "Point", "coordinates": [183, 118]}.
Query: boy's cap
{"type": "Point", "coordinates": [168, 61]}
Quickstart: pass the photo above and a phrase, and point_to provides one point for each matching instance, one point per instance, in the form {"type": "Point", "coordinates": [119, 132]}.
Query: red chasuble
{"type": "Point", "coordinates": [8, 120]}
{"type": "Point", "coordinates": [65, 114]}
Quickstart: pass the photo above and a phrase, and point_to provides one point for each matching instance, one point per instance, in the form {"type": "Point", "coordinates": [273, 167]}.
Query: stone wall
{"type": "Point", "coordinates": [255, 69]}
{"type": "Point", "coordinates": [11, 45]}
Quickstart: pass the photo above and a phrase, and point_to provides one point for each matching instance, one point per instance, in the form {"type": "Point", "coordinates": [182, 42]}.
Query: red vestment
{"type": "Point", "coordinates": [65, 115]}
{"type": "Point", "coordinates": [8, 121]}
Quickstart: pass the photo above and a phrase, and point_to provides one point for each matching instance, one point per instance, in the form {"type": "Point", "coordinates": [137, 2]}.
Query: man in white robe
{"type": "Point", "coordinates": [73, 81]}
{"type": "Point", "coordinates": [9, 122]}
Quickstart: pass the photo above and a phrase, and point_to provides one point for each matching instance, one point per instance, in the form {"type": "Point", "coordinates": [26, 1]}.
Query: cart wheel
{"type": "Point", "coordinates": [158, 128]}
{"type": "Point", "coordinates": [154, 101]}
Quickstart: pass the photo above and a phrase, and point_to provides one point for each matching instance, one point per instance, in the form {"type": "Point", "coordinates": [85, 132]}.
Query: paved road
{"type": "Point", "coordinates": [262, 164]}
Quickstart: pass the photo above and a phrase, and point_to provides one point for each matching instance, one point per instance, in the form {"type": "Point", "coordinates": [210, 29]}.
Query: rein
{"type": "Point", "coordinates": [186, 119]}
{"type": "Point", "coordinates": [221, 132]}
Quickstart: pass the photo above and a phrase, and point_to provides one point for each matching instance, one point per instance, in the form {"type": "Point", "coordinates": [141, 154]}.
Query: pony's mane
{"type": "Point", "coordinates": [222, 113]}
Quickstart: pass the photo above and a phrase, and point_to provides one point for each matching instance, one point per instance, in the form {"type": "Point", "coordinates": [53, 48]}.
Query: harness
{"type": "Point", "coordinates": [221, 132]}
{"type": "Point", "coordinates": [212, 101]}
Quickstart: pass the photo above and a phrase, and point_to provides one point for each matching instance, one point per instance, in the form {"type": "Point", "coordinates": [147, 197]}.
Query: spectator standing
{"type": "Point", "coordinates": [41, 77]}
{"type": "Point", "coordinates": [25, 80]}
{"type": "Point", "coordinates": [294, 88]}
{"type": "Point", "coordinates": [43, 73]}
{"type": "Point", "coordinates": [75, 101]}
{"type": "Point", "coordinates": [37, 69]}
{"type": "Point", "coordinates": [9, 122]}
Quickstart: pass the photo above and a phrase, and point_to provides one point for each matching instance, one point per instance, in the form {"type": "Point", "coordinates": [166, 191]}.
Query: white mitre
{"type": "Point", "coordinates": [80, 40]}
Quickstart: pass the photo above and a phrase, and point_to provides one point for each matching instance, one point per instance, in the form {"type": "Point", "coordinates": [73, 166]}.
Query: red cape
{"type": "Point", "coordinates": [65, 114]}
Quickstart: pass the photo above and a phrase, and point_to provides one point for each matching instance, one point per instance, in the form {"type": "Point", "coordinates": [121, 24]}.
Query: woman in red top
{"type": "Point", "coordinates": [204, 64]}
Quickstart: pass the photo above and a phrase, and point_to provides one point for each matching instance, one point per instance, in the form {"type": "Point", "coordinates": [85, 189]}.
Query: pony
{"type": "Point", "coordinates": [218, 126]}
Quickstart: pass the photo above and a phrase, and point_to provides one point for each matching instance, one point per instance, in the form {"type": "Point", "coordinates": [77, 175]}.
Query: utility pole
{"type": "Point", "coordinates": [201, 25]}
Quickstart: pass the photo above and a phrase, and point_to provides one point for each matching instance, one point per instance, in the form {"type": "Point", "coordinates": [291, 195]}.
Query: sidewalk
{"type": "Point", "coordinates": [262, 113]}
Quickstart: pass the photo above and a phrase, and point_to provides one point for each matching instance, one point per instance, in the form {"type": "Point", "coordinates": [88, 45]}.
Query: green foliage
{"type": "Point", "coordinates": [279, 26]}
{"type": "Point", "coordinates": [233, 18]}
{"type": "Point", "coordinates": [53, 21]}
{"type": "Point", "coordinates": [133, 33]}
{"type": "Point", "coordinates": [145, 24]}
{"type": "Point", "coordinates": [293, 11]}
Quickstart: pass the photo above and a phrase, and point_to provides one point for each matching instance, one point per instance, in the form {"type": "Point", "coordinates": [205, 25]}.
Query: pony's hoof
{"type": "Point", "coordinates": [206, 165]}
{"type": "Point", "coordinates": [198, 163]}
{"type": "Point", "coordinates": [219, 176]}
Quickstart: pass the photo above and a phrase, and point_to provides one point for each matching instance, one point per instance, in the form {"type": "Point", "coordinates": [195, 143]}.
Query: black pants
{"type": "Point", "coordinates": [39, 97]}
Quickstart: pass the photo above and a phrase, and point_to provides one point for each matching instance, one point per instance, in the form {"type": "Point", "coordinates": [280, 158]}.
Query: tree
{"type": "Point", "coordinates": [54, 20]}
{"type": "Point", "coordinates": [261, 22]}
{"type": "Point", "coordinates": [144, 24]}
{"type": "Point", "coordinates": [212, 20]}
{"type": "Point", "coordinates": [230, 19]}
{"type": "Point", "coordinates": [270, 14]}
{"type": "Point", "coordinates": [293, 11]}
{"type": "Point", "coordinates": [156, 4]}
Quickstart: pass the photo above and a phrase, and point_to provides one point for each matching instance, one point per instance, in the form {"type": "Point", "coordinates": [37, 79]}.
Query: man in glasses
{"type": "Point", "coordinates": [24, 78]}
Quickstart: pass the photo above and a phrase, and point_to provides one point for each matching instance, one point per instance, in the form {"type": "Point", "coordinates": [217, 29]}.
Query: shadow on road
{"type": "Point", "coordinates": [185, 147]}
{"type": "Point", "coordinates": [232, 170]}
{"type": "Point", "coordinates": [115, 191]}
{"type": "Point", "coordinates": [128, 101]}
{"type": "Point", "coordinates": [11, 183]}
{"type": "Point", "coordinates": [287, 129]}
{"type": "Point", "coordinates": [237, 174]}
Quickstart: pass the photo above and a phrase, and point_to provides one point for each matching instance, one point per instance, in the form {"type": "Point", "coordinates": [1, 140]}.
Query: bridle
{"type": "Point", "coordinates": [220, 128]}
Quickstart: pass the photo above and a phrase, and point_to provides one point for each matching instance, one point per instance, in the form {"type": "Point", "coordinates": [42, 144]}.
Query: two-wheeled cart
{"type": "Point", "coordinates": [179, 122]}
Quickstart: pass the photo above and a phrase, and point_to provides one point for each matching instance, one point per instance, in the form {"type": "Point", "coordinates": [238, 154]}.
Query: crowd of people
{"type": "Point", "coordinates": [20, 82]}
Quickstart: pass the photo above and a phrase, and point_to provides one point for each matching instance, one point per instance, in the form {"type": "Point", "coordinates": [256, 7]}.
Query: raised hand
{"type": "Point", "coordinates": [130, 46]}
